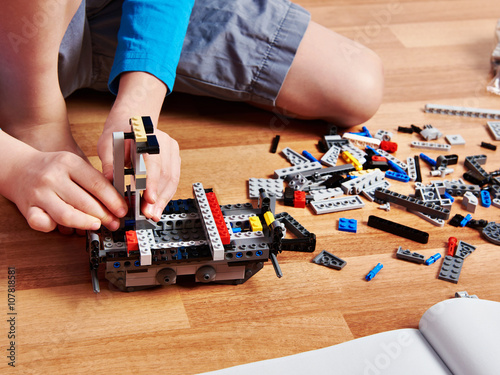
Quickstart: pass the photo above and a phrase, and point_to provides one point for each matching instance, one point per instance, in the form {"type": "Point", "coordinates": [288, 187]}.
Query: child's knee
{"type": "Point", "coordinates": [368, 89]}
{"type": "Point", "coordinates": [360, 99]}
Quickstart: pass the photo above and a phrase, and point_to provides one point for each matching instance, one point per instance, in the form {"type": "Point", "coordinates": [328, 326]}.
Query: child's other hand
{"type": "Point", "coordinates": [60, 188]}
{"type": "Point", "coordinates": [163, 170]}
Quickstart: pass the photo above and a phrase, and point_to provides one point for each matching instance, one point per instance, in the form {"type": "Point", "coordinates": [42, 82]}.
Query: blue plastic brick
{"type": "Point", "coordinates": [432, 259]}
{"type": "Point", "coordinates": [395, 167]}
{"type": "Point", "coordinates": [485, 198]}
{"type": "Point", "coordinates": [447, 195]}
{"type": "Point", "coordinates": [428, 160]}
{"type": "Point", "coordinates": [465, 220]}
{"type": "Point", "coordinates": [348, 225]}
{"type": "Point", "coordinates": [372, 150]}
{"type": "Point", "coordinates": [397, 176]}
{"type": "Point", "coordinates": [308, 155]}
{"type": "Point", "coordinates": [374, 272]}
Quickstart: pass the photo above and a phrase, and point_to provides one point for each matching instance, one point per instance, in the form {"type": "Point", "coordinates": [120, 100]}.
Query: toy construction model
{"type": "Point", "coordinates": [194, 238]}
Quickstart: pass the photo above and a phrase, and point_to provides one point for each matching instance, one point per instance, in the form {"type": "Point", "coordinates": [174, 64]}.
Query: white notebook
{"type": "Point", "coordinates": [459, 336]}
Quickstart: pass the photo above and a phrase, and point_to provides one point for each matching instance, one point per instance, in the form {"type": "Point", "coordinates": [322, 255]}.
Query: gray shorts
{"type": "Point", "coordinates": [231, 57]}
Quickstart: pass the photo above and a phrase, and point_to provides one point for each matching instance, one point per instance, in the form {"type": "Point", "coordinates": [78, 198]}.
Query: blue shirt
{"type": "Point", "coordinates": [150, 39]}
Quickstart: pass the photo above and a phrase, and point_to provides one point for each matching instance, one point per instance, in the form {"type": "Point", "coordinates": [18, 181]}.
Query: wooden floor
{"type": "Point", "coordinates": [434, 52]}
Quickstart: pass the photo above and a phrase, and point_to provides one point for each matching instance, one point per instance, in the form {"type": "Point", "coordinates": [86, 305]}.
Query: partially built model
{"type": "Point", "coordinates": [195, 238]}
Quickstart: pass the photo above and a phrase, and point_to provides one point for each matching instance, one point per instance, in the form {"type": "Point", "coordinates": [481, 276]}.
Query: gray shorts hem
{"type": "Point", "coordinates": [268, 83]}
{"type": "Point", "coordinates": [257, 77]}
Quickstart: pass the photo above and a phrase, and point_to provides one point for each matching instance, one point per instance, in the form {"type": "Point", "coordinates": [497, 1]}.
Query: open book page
{"type": "Point", "coordinates": [403, 351]}
{"type": "Point", "coordinates": [465, 332]}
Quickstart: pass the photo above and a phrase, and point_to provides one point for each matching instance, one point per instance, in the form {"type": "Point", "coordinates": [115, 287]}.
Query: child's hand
{"type": "Point", "coordinates": [163, 171]}
{"type": "Point", "coordinates": [60, 188]}
{"type": "Point", "coordinates": [142, 94]}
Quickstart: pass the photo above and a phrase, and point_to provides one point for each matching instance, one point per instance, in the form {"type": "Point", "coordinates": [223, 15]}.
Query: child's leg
{"type": "Point", "coordinates": [274, 56]}
{"type": "Point", "coordinates": [31, 104]}
{"type": "Point", "coordinates": [332, 78]}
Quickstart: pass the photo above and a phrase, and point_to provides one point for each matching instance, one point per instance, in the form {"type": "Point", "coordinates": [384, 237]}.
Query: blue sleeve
{"type": "Point", "coordinates": [150, 39]}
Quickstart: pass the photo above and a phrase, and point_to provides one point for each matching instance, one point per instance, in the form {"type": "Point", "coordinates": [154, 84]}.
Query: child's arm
{"type": "Point", "coordinates": [142, 94]}
{"type": "Point", "coordinates": [149, 46]}
{"type": "Point", "coordinates": [51, 188]}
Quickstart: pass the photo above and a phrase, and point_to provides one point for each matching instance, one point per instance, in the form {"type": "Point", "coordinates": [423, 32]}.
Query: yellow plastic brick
{"type": "Point", "coordinates": [138, 129]}
{"type": "Point", "coordinates": [269, 217]}
{"type": "Point", "coordinates": [255, 223]}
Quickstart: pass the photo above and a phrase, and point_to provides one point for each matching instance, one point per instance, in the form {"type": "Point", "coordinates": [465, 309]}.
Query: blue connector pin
{"type": "Point", "coordinates": [374, 272]}
{"type": "Point", "coordinates": [432, 259]}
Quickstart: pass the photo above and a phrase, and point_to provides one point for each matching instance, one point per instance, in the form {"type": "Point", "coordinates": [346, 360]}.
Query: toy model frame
{"type": "Point", "coordinates": [195, 237]}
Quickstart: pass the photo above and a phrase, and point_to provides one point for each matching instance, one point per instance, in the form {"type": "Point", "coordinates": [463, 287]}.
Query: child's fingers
{"type": "Point", "coordinates": [82, 201]}
{"type": "Point", "coordinates": [68, 216]}
{"type": "Point", "coordinates": [163, 176]}
{"type": "Point", "coordinates": [98, 186]}
{"type": "Point", "coordinates": [39, 220]}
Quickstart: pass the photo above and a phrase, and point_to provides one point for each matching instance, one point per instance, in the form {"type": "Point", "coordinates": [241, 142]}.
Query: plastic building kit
{"type": "Point", "coordinates": [409, 256]}
{"type": "Point", "coordinates": [374, 272]}
{"type": "Point", "coordinates": [384, 135]}
{"type": "Point", "coordinates": [412, 168]}
{"type": "Point", "coordinates": [193, 238]}
{"type": "Point", "coordinates": [306, 167]}
{"type": "Point", "coordinates": [432, 259]}
{"type": "Point", "coordinates": [337, 204]}
{"type": "Point", "coordinates": [491, 232]}
{"type": "Point", "coordinates": [485, 198]}
{"type": "Point", "coordinates": [389, 146]}
{"type": "Point", "coordinates": [450, 269]}
{"type": "Point", "coordinates": [494, 127]}
{"type": "Point", "coordinates": [452, 246]}
{"type": "Point", "coordinates": [348, 225]}
{"type": "Point", "coordinates": [361, 141]}
{"type": "Point", "coordinates": [272, 186]}
{"type": "Point", "coordinates": [322, 194]}
{"type": "Point", "coordinates": [428, 160]}
{"type": "Point", "coordinates": [331, 156]}
{"type": "Point", "coordinates": [417, 168]}
{"type": "Point", "coordinates": [404, 129]}
{"type": "Point", "coordinates": [462, 111]}
{"type": "Point", "coordinates": [488, 146]}
{"type": "Point", "coordinates": [403, 177]}
{"type": "Point", "coordinates": [305, 241]}
{"type": "Point", "coordinates": [496, 202]}
{"type": "Point", "coordinates": [309, 156]}
{"type": "Point", "coordinates": [355, 152]}
{"type": "Point", "coordinates": [329, 260]}
{"type": "Point", "coordinates": [430, 145]}
{"type": "Point", "coordinates": [466, 220]}
{"type": "Point", "coordinates": [274, 144]}
{"type": "Point", "coordinates": [458, 188]}
{"type": "Point", "coordinates": [398, 229]}
{"type": "Point", "coordinates": [469, 202]}
{"type": "Point", "coordinates": [386, 207]}
{"type": "Point", "coordinates": [412, 203]}
{"type": "Point", "coordinates": [464, 294]}
{"type": "Point", "coordinates": [294, 157]}
{"type": "Point", "coordinates": [385, 154]}
{"type": "Point", "coordinates": [363, 182]}
{"type": "Point", "coordinates": [455, 139]}
{"type": "Point", "coordinates": [431, 219]}
{"type": "Point", "coordinates": [349, 158]}
{"type": "Point", "coordinates": [430, 133]}
{"type": "Point", "coordinates": [463, 250]}
{"type": "Point", "coordinates": [416, 128]}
